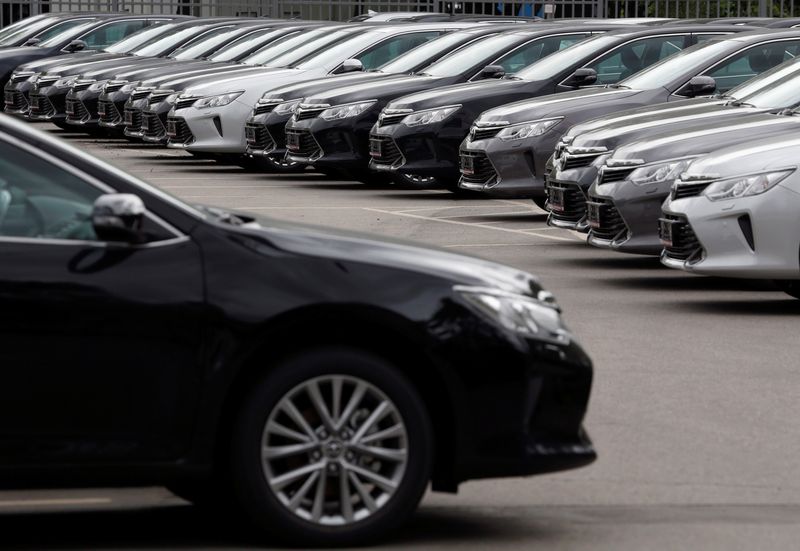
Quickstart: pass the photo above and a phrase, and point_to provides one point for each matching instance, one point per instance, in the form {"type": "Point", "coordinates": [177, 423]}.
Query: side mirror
{"type": "Point", "coordinates": [352, 66]}
{"type": "Point", "coordinates": [75, 46]}
{"type": "Point", "coordinates": [118, 217]}
{"type": "Point", "coordinates": [32, 41]}
{"type": "Point", "coordinates": [581, 77]}
{"type": "Point", "coordinates": [698, 86]}
{"type": "Point", "coordinates": [492, 71]}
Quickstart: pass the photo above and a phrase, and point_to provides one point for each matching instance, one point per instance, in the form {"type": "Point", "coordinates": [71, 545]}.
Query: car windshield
{"type": "Point", "coordinates": [320, 54]}
{"type": "Point", "coordinates": [167, 42]}
{"type": "Point", "coordinates": [289, 44]}
{"type": "Point", "coordinates": [555, 63]}
{"type": "Point", "coordinates": [691, 59]}
{"type": "Point", "coordinates": [246, 43]}
{"type": "Point", "coordinates": [142, 38]}
{"type": "Point", "coordinates": [16, 31]}
{"type": "Point", "coordinates": [210, 42]}
{"type": "Point", "coordinates": [68, 34]}
{"type": "Point", "coordinates": [777, 88]}
{"type": "Point", "coordinates": [410, 61]}
{"type": "Point", "coordinates": [466, 58]}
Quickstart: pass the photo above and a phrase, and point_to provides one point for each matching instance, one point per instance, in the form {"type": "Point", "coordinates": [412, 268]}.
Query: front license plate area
{"type": "Point", "coordinates": [665, 232]}
{"type": "Point", "coordinates": [128, 118]}
{"type": "Point", "coordinates": [593, 214]}
{"type": "Point", "coordinates": [293, 142]}
{"type": "Point", "coordinates": [250, 134]}
{"type": "Point", "coordinates": [467, 166]}
{"type": "Point", "coordinates": [101, 109]}
{"type": "Point", "coordinates": [171, 130]}
{"type": "Point", "coordinates": [556, 199]}
{"type": "Point", "coordinates": [376, 149]}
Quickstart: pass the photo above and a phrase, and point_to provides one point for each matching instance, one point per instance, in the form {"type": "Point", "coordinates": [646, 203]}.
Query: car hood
{"type": "Point", "coordinates": [779, 151]}
{"type": "Point", "coordinates": [705, 137]}
{"type": "Point", "coordinates": [383, 90]}
{"type": "Point", "coordinates": [555, 104]}
{"type": "Point", "coordinates": [308, 88]}
{"type": "Point", "coordinates": [249, 77]}
{"type": "Point", "coordinates": [65, 59]}
{"type": "Point", "coordinates": [78, 66]}
{"type": "Point", "coordinates": [457, 94]}
{"type": "Point", "coordinates": [355, 247]}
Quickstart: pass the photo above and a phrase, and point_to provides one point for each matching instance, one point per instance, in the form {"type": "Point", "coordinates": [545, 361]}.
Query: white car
{"type": "Point", "coordinates": [734, 213]}
{"type": "Point", "coordinates": [210, 115]}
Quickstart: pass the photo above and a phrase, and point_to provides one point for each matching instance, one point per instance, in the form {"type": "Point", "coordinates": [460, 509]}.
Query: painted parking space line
{"type": "Point", "coordinates": [54, 502]}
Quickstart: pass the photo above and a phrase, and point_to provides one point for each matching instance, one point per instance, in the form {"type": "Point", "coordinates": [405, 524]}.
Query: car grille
{"type": "Point", "coordinates": [82, 85]}
{"type": "Point", "coordinates": [303, 114]}
{"type": "Point", "coordinates": [178, 131]}
{"type": "Point", "coordinates": [606, 222]}
{"type": "Point", "coordinates": [259, 138]}
{"type": "Point", "coordinates": [388, 120]}
{"type": "Point", "coordinates": [307, 146]}
{"type": "Point", "coordinates": [76, 110]}
{"type": "Point", "coordinates": [614, 174]}
{"type": "Point", "coordinates": [263, 108]}
{"type": "Point", "coordinates": [483, 171]}
{"type": "Point", "coordinates": [139, 94]}
{"type": "Point", "coordinates": [109, 114]}
{"type": "Point", "coordinates": [685, 245]}
{"type": "Point", "coordinates": [158, 98]}
{"type": "Point", "coordinates": [183, 103]}
{"type": "Point", "coordinates": [41, 106]}
{"type": "Point", "coordinates": [478, 133]}
{"type": "Point", "coordinates": [20, 77]}
{"type": "Point", "coordinates": [151, 125]}
{"type": "Point", "coordinates": [574, 201]}
{"type": "Point", "coordinates": [390, 153]}
{"type": "Point", "coordinates": [688, 190]}
{"type": "Point", "coordinates": [133, 119]}
{"type": "Point", "coordinates": [113, 86]}
{"type": "Point", "coordinates": [578, 161]}
{"type": "Point", "coordinates": [15, 101]}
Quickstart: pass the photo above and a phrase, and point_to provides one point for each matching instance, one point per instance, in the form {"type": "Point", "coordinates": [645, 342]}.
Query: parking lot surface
{"type": "Point", "coordinates": [693, 410]}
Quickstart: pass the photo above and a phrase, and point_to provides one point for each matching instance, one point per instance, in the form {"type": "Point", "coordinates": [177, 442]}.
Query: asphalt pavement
{"type": "Point", "coordinates": [694, 407]}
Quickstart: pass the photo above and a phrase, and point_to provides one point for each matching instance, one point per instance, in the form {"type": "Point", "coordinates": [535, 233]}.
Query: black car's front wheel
{"type": "Point", "coordinates": [332, 447]}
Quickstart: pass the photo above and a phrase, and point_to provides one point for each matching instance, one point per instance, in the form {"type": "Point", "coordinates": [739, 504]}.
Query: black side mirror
{"type": "Point", "coordinates": [492, 71]}
{"type": "Point", "coordinates": [581, 77]}
{"type": "Point", "coordinates": [75, 46]}
{"type": "Point", "coordinates": [351, 66]}
{"type": "Point", "coordinates": [698, 86]}
{"type": "Point", "coordinates": [32, 41]}
{"type": "Point", "coordinates": [119, 217]}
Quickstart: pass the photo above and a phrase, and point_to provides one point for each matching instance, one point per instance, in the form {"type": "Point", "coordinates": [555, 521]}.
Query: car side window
{"type": "Point", "coordinates": [59, 28]}
{"type": "Point", "coordinates": [41, 200]}
{"type": "Point", "coordinates": [112, 33]}
{"type": "Point", "coordinates": [533, 51]}
{"type": "Point", "coordinates": [753, 61]}
{"type": "Point", "coordinates": [632, 57]}
{"type": "Point", "coordinates": [702, 38]}
{"type": "Point", "coordinates": [389, 49]}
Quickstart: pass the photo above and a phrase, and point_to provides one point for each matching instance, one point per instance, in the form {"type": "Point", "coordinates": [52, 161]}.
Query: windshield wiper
{"type": "Point", "coordinates": [738, 103]}
{"type": "Point", "coordinates": [618, 86]}
{"type": "Point", "coordinates": [225, 216]}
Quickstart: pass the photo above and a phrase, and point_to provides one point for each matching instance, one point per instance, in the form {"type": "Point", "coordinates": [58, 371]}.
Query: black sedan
{"type": "Point", "coordinates": [502, 156]}
{"type": "Point", "coordinates": [38, 28]}
{"type": "Point", "coordinates": [319, 381]}
{"type": "Point", "coordinates": [342, 142]}
{"type": "Point", "coordinates": [418, 136]}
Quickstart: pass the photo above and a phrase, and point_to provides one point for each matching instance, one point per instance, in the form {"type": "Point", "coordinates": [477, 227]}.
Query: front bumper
{"type": "Point", "coordinates": [82, 108]}
{"type": "Point", "coordinates": [750, 237]}
{"type": "Point", "coordinates": [133, 113]}
{"type": "Point", "coordinates": [265, 134]}
{"type": "Point", "coordinates": [343, 143]}
{"type": "Point", "coordinates": [569, 182]}
{"type": "Point", "coordinates": [111, 108]}
{"type": "Point", "coordinates": [47, 104]}
{"type": "Point", "coordinates": [16, 97]}
{"type": "Point", "coordinates": [154, 122]}
{"type": "Point", "coordinates": [215, 129]}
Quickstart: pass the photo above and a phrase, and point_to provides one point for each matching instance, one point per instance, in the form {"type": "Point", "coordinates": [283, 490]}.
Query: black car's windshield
{"type": "Point", "coordinates": [777, 88]}
{"type": "Point", "coordinates": [205, 42]}
{"type": "Point", "coordinates": [311, 40]}
{"type": "Point", "coordinates": [555, 63]}
{"type": "Point", "coordinates": [66, 34]}
{"type": "Point", "coordinates": [245, 43]}
{"type": "Point", "coordinates": [468, 57]}
{"type": "Point", "coordinates": [341, 49]}
{"type": "Point", "coordinates": [410, 61]}
{"type": "Point", "coordinates": [168, 42]}
{"type": "Point", "coordinates": [690, 60]}
{"type": "Point", "coordinates": [11, 34]}
{"type": "Point", "coordinates": [141, 39]}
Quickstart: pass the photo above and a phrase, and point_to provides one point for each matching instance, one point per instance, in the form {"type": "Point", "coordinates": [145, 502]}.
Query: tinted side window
{"type": "Point", "coordinates": [59, 28]}
{"type": "Point", "coordinates": [631, 58]}
{"type": "Point", "coordinates": [753, 61]}
{"type": "Point", "coordinates": [42, 200]}
{"type": "Point", "coordinates": [113, 32]}
{"type": "Point", "coordinates": [533, 51]}
{"type": "Point", "coordinates": [389, 49]}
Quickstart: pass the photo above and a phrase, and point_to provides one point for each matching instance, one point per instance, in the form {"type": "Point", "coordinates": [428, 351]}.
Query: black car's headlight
{"type": "Point", "coordinates": [529, 316]}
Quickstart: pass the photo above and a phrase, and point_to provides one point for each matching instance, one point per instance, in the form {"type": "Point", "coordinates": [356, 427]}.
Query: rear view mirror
{"type": "Point", "coordinates": [581, 77]}
{"type": "Point", "coordinates": [351, 66]}
{"type": "Point", "coordinates": [698, 86]}
{"type": "Point", "coordinates": [118, 217]}
{"type": "Point", "coordinates": [492, 71]}
{"type": "Point", "coordinates": [75, 46]}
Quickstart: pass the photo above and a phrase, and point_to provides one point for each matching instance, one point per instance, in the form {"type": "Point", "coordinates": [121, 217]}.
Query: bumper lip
{"type": "Point", "coordinates": [581, 225]}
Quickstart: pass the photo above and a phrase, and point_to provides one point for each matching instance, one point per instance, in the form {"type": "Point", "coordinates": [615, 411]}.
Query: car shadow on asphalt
{"type": "Point", "coordinates": [619, 262]}
{"type": "Point", "coordinates": [781, 305]}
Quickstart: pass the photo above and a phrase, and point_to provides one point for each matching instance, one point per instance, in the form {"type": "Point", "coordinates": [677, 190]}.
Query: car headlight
{"type": "Point", "coordinates": [286, 107]}
{"type": "Point", "coordinates": [518, 313]}
{"type": "Point", "coordinates": [219, 100]}
{"type": "Point", "coordinates": [98, 86]}
{"type": "Point", "coordinates": [745, 186]}
{"type": "Point", "coordinates": [527, 130]}
{"type": "Point", "coordinates": [339, 112]}
{"type": "Point", "coordinates": [430, 116]}
{"type": "Point", "coordinates": [66, 82]}
{"type": "Point", "coordinates": [660, 172]}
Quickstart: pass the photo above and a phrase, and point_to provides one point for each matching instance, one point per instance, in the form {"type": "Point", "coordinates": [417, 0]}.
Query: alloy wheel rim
{"type": "Point", "coordinates": [334, 450]}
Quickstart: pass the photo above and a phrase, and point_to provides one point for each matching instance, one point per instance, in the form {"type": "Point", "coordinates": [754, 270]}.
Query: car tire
{"type": "Point", "coordinates": [410, 181]}
{"type": "Point", "coordinates": [381, 491]}
{"type": "Point", "coordinates": [540, 202]}
{"type": "Point", "coordinates": [283, 166]}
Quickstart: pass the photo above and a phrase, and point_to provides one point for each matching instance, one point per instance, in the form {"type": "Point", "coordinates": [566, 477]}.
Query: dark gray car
{"type": "Point", "coordinates": [515, 140]}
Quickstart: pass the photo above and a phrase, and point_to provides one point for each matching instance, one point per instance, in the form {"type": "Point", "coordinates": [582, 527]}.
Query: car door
{"type": "Point", "coordinates": [100, 356]}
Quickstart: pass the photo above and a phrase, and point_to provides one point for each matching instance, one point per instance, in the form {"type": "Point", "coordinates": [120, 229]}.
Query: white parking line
{"type": "Point", "coordinates": [54, 502]}
{"type": "Point", "coordinates": [469, 224]}
{"type": "Point", "coordinates": [490, 214]}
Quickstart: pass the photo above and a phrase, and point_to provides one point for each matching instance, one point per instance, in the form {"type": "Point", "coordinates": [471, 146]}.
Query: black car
{"type": "Point", "coordinates": [504, 155]}
{"type": "Point", "coordinates": [31, 30]}
{"type": "Point", "coordinates": [418, 136]}
{"type": "Point", "coordinates": [342, 142]}
{"type": "Point", "coordinates": [316, 380]}
{"type": "Point", "coordinates": [266, 136]}
{"type": "Point", "coordinates": [91, 35]}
